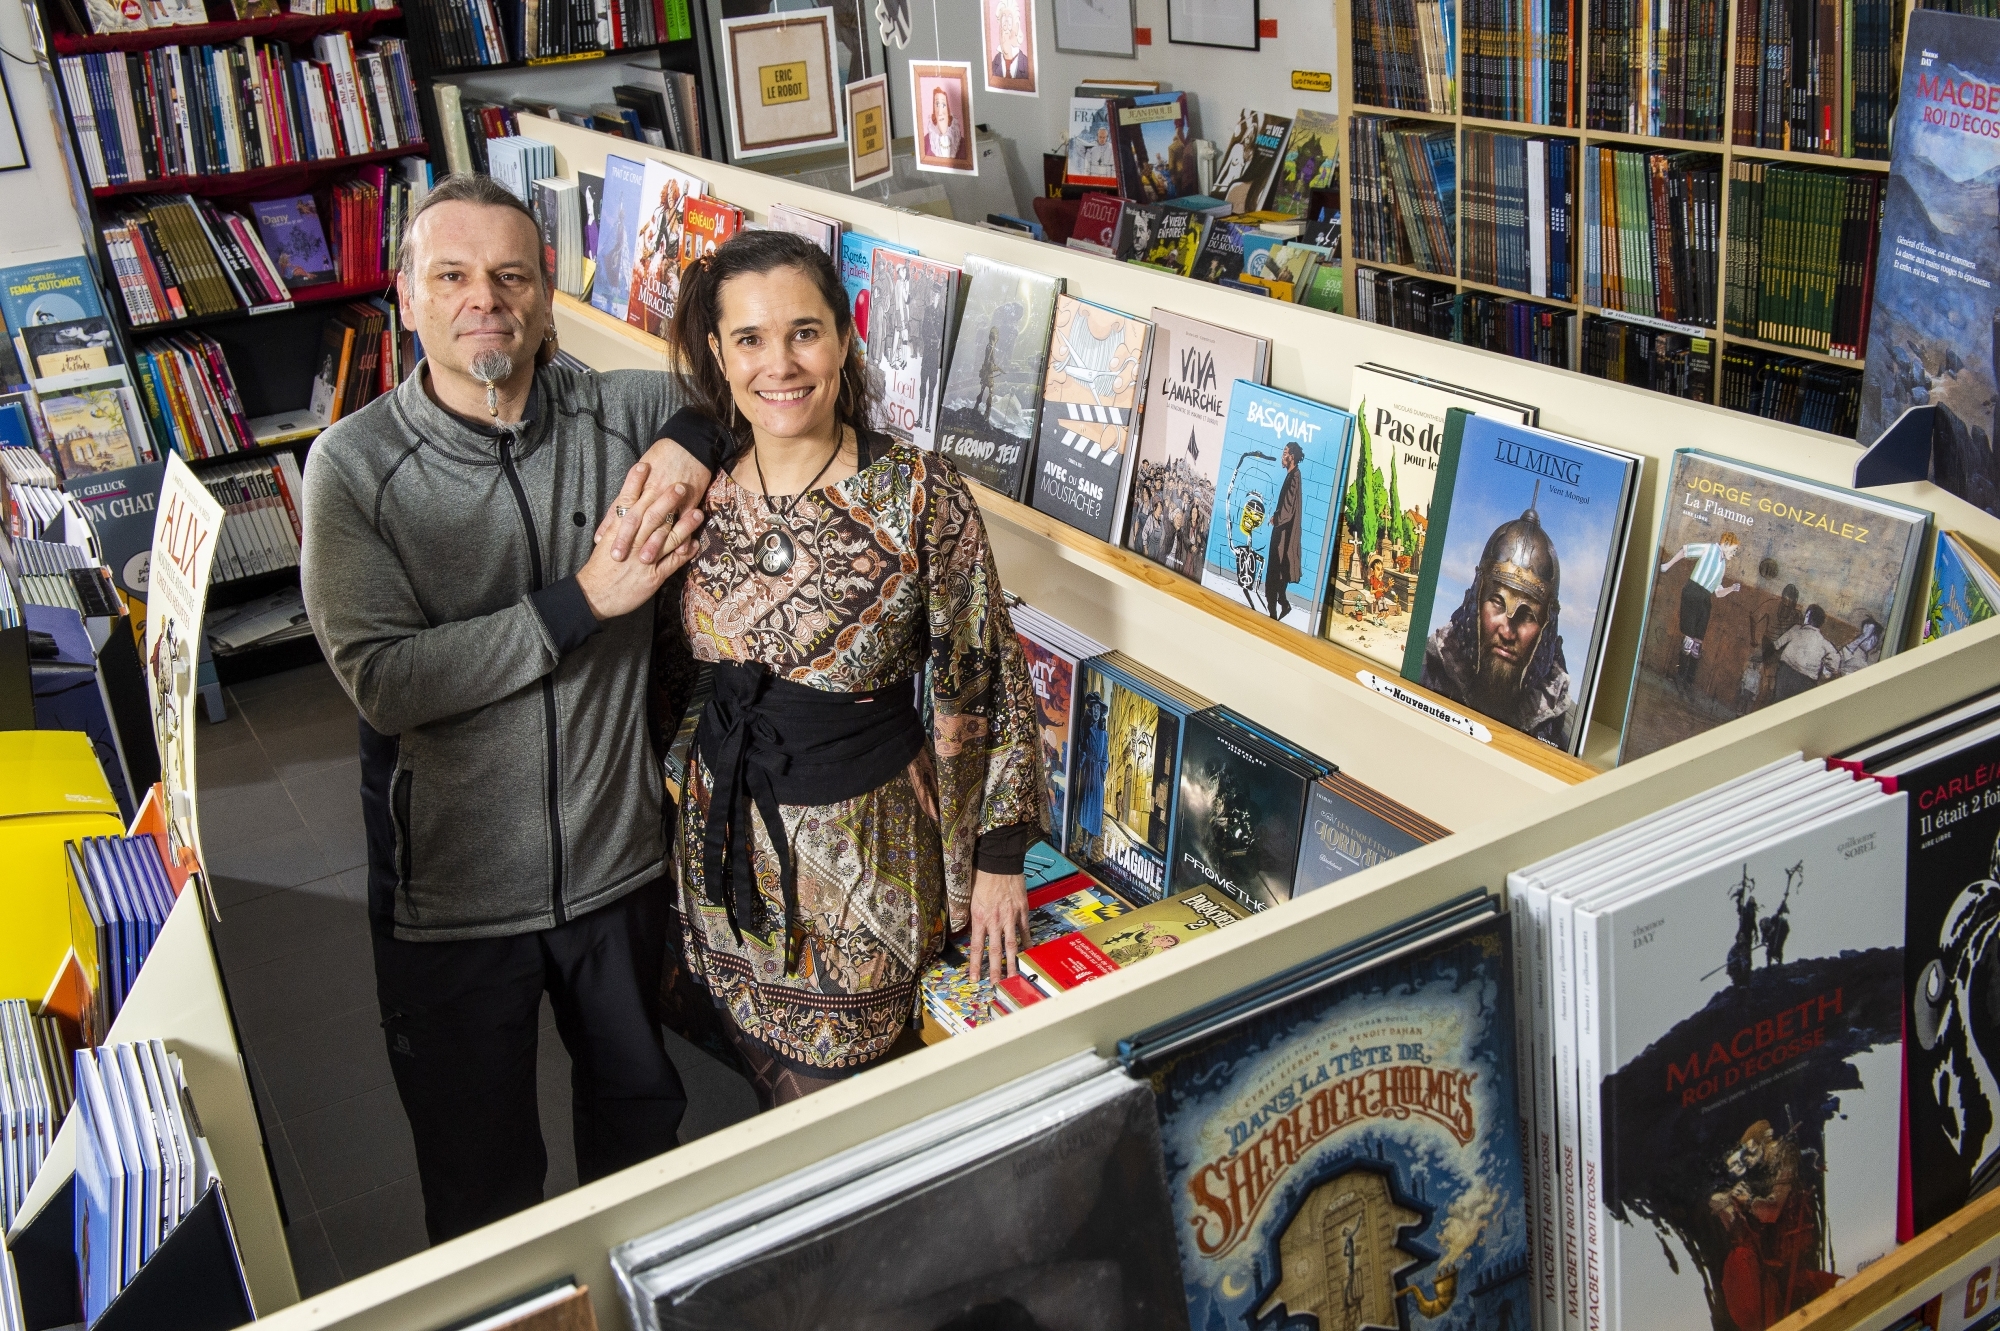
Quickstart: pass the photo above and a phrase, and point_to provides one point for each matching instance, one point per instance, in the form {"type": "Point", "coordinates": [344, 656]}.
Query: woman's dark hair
{"type": "Point", "coordinates": [698, 316]}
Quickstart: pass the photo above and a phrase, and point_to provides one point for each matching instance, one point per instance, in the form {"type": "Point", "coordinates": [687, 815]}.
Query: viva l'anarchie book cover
{"type": "Point", "coordinates": [993, 393]}
{"type": "Point", "coordinates": [1351, 1158]}
{"type": "Point", "coordinates": [1936, 308]}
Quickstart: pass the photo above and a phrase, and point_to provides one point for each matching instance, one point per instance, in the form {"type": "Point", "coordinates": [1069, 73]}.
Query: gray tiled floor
{"type": "Point", "coordinates": [281, 823]}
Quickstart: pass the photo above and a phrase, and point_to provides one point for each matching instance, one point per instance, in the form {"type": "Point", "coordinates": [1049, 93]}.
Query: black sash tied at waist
{"type": "Point", "coordinates": [768, 741]}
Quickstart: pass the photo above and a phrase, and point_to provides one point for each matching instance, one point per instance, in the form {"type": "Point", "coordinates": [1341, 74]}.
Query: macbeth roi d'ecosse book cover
{"type": "Point", "coordinates": [1180, 443]}
{"type": "Point", "coordinates": [1934, 337]}
{"type": "Point", "coordinates": [993, 394]}
{"type": "Point", "coordinates": [1385, 512]}
{"type": "Point", "coordinates": [1349, 1156]}
{"type": "Point", "coordinates": [1526, 539]}
{"type": "Point", "coordinates": [1764, 585]}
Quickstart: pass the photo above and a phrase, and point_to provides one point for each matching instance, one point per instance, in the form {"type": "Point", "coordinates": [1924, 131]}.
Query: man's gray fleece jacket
{"type": "Point", "coordinates": [439, 567]}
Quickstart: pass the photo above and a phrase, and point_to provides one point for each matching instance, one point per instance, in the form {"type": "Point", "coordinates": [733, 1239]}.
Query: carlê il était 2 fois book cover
{"type": "Point", "coordinates": [1351, 1158]}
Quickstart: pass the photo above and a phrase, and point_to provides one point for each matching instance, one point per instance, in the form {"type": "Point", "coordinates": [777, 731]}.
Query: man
{"type": "Point", "coordinates": [498, 659]}
{"type": "Point", "coordinates": [1281, 567]}
{"type": "Point", "coordinates": [1865, 650]}
{"type": "Point", "coordinates": [1699, 595]}
{"type": "Point", "coordinates": [1805, 657]}
{"type": "Point", "coordinates": [1010, 63]}
{"type": "Point", "coordinates": [1501, 653]}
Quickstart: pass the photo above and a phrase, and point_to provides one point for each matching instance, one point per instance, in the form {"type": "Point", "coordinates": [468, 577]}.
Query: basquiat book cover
{"type": "Point", "coordinates": [617, 234]}
{"type": "Point", "coordinates": [1155, 147]}
{"type": "Point", "coordinates": [993, 394]}
{"type": "Point", "coordinates": [1180, 443]}
{"type": "Point", "coordinates": [1764, 585]}
{"type": "Point", "coordinates": [1934, 335]}
{"type": "Point", "coordinates": [1124, 776]}
{"type": "Point", "coordinates": [1278, 493]}
{"type": "Point", "coordinates": [1092, 394]}
{"type": "Point", "coordinates": [1385, 511]}
{"type": "Point", "coordinates": [911, 304]}
{"type": "Point", "coordinates": [1745, 1021]}
{"type": "Point", "coordinates": [1351, 1158]}
{"type": "Point", "coordinates": [1952, 932]}
{"type": "Point", "coordinates": [1526, 539]}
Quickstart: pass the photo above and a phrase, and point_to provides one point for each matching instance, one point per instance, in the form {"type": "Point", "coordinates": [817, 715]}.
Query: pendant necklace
{"type": "Point", "coordinates": [775, 550]}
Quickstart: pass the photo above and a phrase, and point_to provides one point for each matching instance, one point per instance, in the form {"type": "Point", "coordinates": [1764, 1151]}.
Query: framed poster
{"type": "Point", "coordinates": [941, 97]}
{"type": "Point", "coordinates": [1008, 28]}
{"type": "Point", "coordinates": [868, 158]}
{"type": "Point", "coordinates": [780, 71]}
{"type": "Point", "coordinates": [1227, 23]}
{"type": "Point", "coordinates": [1096, 27]}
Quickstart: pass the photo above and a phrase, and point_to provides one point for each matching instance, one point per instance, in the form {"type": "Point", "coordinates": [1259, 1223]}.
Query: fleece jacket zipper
{"type": "Point", "coordinates": [548, 691]}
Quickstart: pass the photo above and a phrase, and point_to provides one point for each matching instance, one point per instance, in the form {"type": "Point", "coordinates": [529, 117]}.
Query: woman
{"type": "Point", "coordinates": [832, 830]}
{"type": "Point", "coordinates": [941, 137]}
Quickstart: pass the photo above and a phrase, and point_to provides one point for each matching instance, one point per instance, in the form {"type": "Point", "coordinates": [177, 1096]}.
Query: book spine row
{"type": "Point", "coordinates": [1815, 76]}
{"type": "Point", "coordinates": [182, 257]}
{"type": "Point", "coordinates": [260, 525]}
{"type": "Point", "coordinates": [367, 217]}
{"type": "Point", "coordinates": [190, 396]}
{"type": "Point", "coordinates": [471, 34]}
{"type": "Point", "coordinates": [1524, 329]}
{"type": "Point", "coordinates": [1789, 389]}
{"type": "Point", "coordinates": [1802, 264]}
{"type": "Point", "coordinates": [1657, 68]}
{"type": "Point", "coordinates": [210, 110]}
{"type": "Point", "coordinates": [1519, 213]}
{"type": "Point", "coordinates": [1519, 62]}
{"type": "Point", "coordinates": [1405, 187]}
{"type": "Point", "coordinates": [1677, 364]}
{"type": "Point", "coordinates": [1652, 233]}
{"type": "Point", "coordinates": [1404, 54]}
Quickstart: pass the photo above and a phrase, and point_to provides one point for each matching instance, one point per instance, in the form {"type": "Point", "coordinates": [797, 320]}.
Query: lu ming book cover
{"type": "Point", "coordinates": [1748, 1018]}
{"type": "Point", "coordinates": [1352, 1157]}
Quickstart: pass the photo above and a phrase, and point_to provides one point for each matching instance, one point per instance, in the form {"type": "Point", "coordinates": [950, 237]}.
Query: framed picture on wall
{"type": "Point", "coordinates": [781, 72]}
{"type": "Point", "coordinates": [941, 98]}
{"type": "Point", "coordinates": [13, 156]}
{"type": "Point", "coordinates": [868, 158]}
{"type": "Point", "coordinates": [1096, 27]}
{"type": "Point", "coordinates": [1226, 23]}
{"type": "Point", "coordinates": [1008, 29]}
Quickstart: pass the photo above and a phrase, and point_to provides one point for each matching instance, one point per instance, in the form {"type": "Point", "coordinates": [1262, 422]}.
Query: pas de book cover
{"type": "Point", "coordinates": [1745, 1021]}
{"type": "Point", "coordinates": [1526, 538]}
{"type": "Point", "coordinates": [993, 394]}
{"type": "Point", "coordinates": [1352, 1157]}
{"type": "Point", "coordinates": [617, 234]}
{"type": "Point", "coordinates": [1952, 958]}
{"type": "Point", "coordinates": [1180, 441]}
{"type": "Point", "coordinates": [1765, 585]}
{"type": "Point", "coordinates": [1092, 394]}
{"type": "Point", "coordinates": [911, 304]}
{"type": "Point", "coordinates": [1936, 299]}
{"type": "Point", "coordinates": [1385, 510]}
{"type": "Point", "coordinates": [1123, 777]}
{"type": "Point", "coordinates": [1278, 496]}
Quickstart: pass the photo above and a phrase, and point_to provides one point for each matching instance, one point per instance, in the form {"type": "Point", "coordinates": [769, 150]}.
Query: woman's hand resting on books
{"type": "Point", "coordinates": [617, 586]}
{"type": "Point", "coordinates": [999, 924]}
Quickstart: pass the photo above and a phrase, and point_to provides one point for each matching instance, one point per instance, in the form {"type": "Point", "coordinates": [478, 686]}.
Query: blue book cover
{"type": "Point", "coordinates": [293, 237]}
{"type": "Point", "coordinates": [100, 1193]}
{"type": "Point", "coordinates": [1352, 1156]}
{"type": "Point", "coordinates": [1526, 537]}
{"type": "Point", "coordinates": [620, 213]}
{"type": "Point", "coordinates": [1937, 268]}
{"type": "Point", "coordinates": [1963, 590]}
{"type": "Point", "coordinates": [1125, 775]}
{"type": "Point", "coordinates": [1045, 864]}
{"type": "Point", "coordinates": [48, 293]}
{"type": "Point", "coordinates": [1278, 499]}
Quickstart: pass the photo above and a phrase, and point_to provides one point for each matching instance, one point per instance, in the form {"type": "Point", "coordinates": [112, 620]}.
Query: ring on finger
{"type": "Point", "coordinates": [621, 510]}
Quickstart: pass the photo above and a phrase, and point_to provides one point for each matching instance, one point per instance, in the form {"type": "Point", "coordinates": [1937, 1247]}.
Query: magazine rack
{"type": "Point", "coordinates": [1507, 809]}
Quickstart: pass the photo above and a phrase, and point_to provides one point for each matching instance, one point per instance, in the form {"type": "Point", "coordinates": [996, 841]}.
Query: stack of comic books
{"type": "Point", "coordinates": [1038, 1203]}
{"type": "Point", "coordinates": [1351, 827]}
{"type": "Point", "coordinates": [1125, 773]}
{"type": "Point", "coordinates": [1244, 796]}
{"type": "Point", "coordinates": [1340, 1140]}
{"type": "Point", "coordinates": [1715, 1037]}
{"type": "Point", "coordinates": [1054, 651]}
{"type": "Point", "coordinates": [34, 1096]}
{"type": "Point", "coordinates": [119, 900]}
{"type": "Point", "coordinates": [1118, 941]}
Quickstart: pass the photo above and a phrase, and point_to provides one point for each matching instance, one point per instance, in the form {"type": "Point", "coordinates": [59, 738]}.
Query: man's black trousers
{"type": "Point", "coordinates": [462, 1020]}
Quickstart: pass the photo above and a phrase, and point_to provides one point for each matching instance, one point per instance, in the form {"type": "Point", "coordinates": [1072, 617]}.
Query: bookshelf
{"type": "Point", "coordinates": [1724, 152]}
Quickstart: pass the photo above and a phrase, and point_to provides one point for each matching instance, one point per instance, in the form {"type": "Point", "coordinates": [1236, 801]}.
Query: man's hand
{"type": "Point", "coordinates": [617, 587]}
{"type": "Point", "coordinates": [999, 924]}
{"type": "Point", "coordinates": [655, 490]}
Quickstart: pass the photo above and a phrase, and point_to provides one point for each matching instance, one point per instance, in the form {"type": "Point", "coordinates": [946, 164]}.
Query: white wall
{"type": "Point", "coordinates": [37, 213]}
{"type": "Point", "coordinates": [1218, 82]}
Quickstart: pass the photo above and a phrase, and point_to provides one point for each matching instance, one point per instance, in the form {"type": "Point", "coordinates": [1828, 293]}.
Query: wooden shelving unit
{"type": "Point", "coordinates": [285, 27]}
{"type": "Point", "coordinates": [263, 180]}
{"type": "Point", "coordinates": [1726, 152]}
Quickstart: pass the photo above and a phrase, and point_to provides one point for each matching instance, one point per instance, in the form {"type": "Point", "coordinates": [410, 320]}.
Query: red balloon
{"type": "Point", "coordinates": [861, 313]}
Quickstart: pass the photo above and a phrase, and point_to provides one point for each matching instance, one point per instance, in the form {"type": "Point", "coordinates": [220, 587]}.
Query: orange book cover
{"type": "Point", "coordinates": [705, 224]}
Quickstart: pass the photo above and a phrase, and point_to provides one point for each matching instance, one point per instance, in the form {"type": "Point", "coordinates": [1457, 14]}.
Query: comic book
{"type": "Point", "coordinates": [617, 235]}
{"type": "Point", "coordinates": [1054, 652]}
{"type": "Point", "coordinates": [705, 224]}
{"type": "Point", "coordinates": [1351, 827]}
{"type": "Point", "coordinates": [1242, 813]}
{"type": "Point", "coordinates": [1311, 161]}
{"type": "Point", "coordinates": [1092, 396]}
{"type": "Point", "coordinates": [993, 394]}
{"type": "Point", "coordinates": [1249, 157]}
{"type": "Point", "coordinates": [911, 305]}
{"type": "Point", "coordinates": [1125, 773]}
{"type": "Point", "coordinates": [1964, 591]}
{"type": "Point", "coordinates": [656, 250]}
{"type": "Point", "coordinates": [1180, 441]}
{"type": "Point", "coordinates": [1155, 147]}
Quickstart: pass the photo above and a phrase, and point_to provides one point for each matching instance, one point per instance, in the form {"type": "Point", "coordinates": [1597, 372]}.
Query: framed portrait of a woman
{"type": "Point", "coordinates": [941, 101]}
